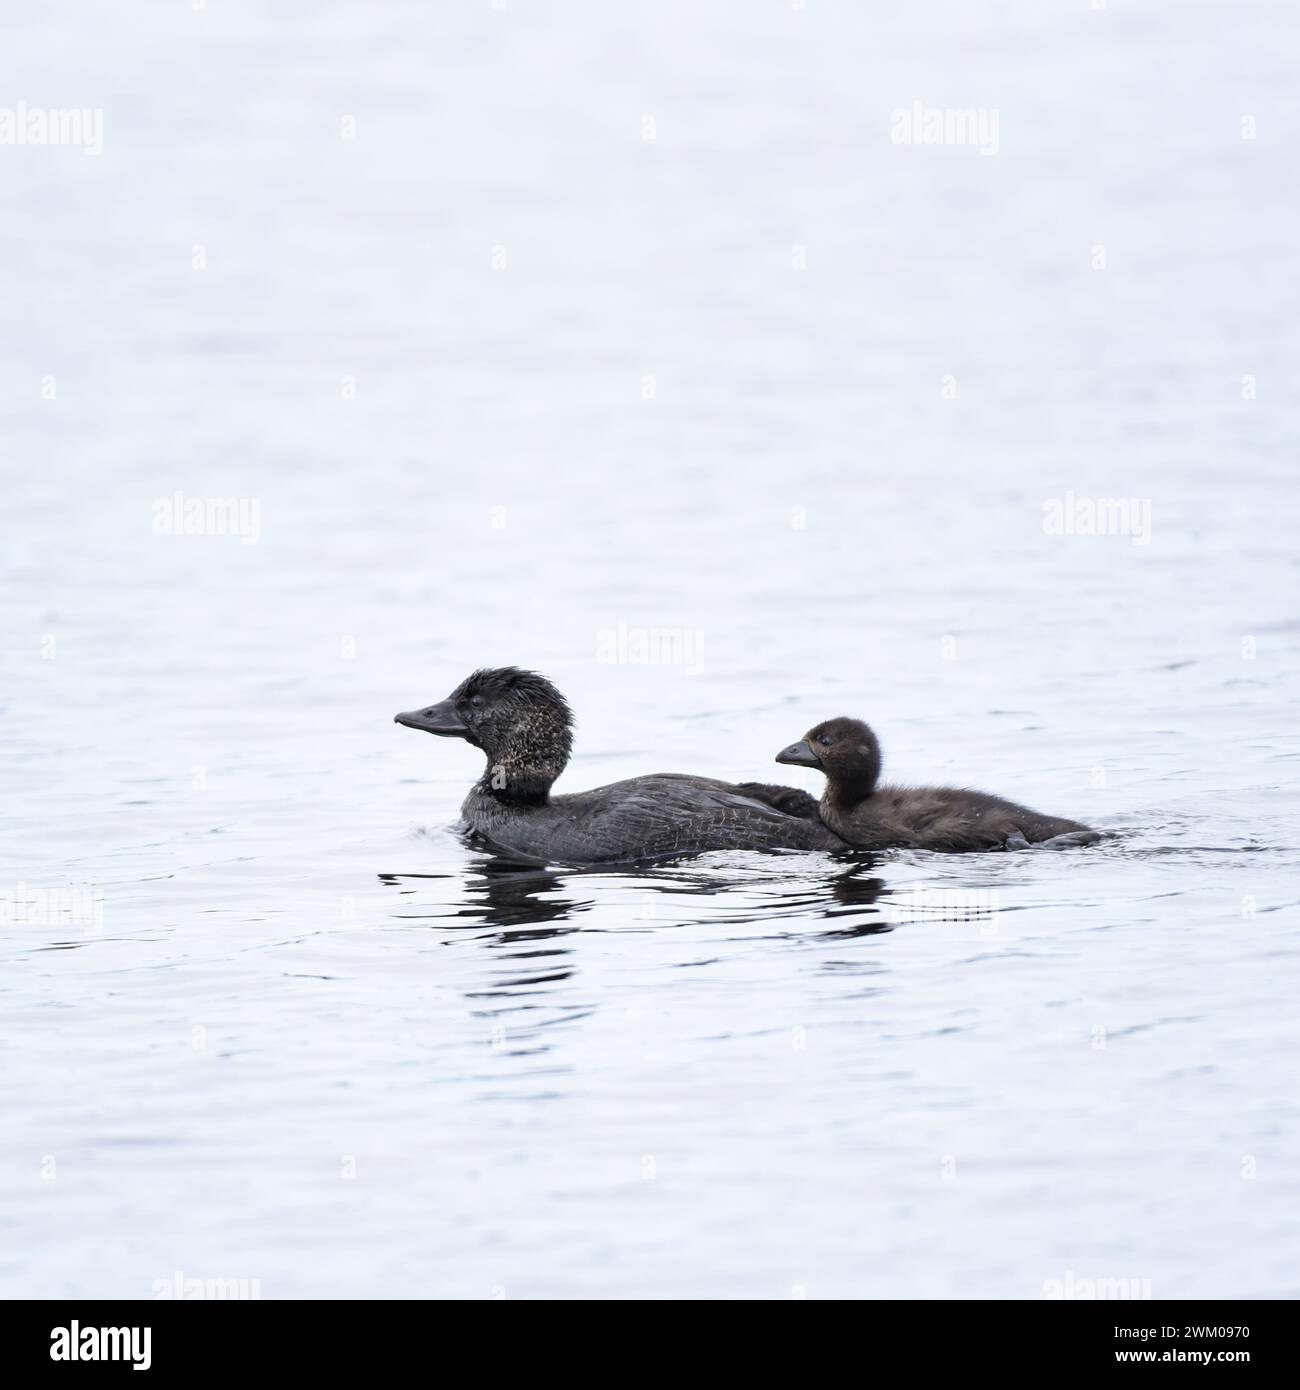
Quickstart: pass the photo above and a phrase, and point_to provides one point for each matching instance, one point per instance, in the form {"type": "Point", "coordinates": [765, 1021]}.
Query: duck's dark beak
{"type": "Point", "coordinates": [800, 754]}
{"type": "Point", "coordinates": [440, 719]}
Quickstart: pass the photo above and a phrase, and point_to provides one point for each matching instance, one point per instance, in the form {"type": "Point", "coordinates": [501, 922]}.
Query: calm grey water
{"type": "Point", "coordinates": [527, 335]}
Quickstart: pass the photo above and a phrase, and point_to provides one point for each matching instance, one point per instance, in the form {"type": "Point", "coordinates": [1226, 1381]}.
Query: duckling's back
{"type": "Point", "coordinates": [951, 819]}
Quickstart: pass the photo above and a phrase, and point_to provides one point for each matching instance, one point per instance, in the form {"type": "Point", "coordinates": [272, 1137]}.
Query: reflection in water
{"type": "Point", "coordinates": [791, 894]}
{"type": "Point", "coordinates": [507, 894]}
{"type": "Point", "coordinates": [531, 986]}
{"type": "Point", "coordinates": [503, 893]}
{"type": "Point", "coordinates": [522, 897]}
{"type": "Point", "coordinates": [533, 999]}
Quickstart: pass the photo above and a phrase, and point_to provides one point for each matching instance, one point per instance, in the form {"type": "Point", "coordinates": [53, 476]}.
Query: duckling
{"type": "Point", "coordinates": [952, 819]}
{"type": "Point", "coordinates": [524, 726]}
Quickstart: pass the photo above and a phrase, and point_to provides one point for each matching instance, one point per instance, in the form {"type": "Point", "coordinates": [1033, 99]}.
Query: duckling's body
{"type": "Point", "coordinates": [523, 724]}
{"type": "Point", "coordinates": [951, 819]}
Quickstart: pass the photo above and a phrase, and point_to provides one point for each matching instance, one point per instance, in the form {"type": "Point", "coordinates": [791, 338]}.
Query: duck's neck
{"type": "Point", "coordinates": [518, 781]}
{"type": "Point", "coordinates": [525, 757]}
{"type": "Point", "coordinates": [843, 796]}
{"type": "Point", "coordinates": [853, 780]}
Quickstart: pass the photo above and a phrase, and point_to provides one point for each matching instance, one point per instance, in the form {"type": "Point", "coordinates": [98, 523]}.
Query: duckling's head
{"type": "Point", "coordinates": [846, 750]}
{"type": "Point", "coordinates": [518, 718]}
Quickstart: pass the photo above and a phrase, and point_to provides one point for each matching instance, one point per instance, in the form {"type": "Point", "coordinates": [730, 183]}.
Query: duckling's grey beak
{"type": "Point", "coordinates": [440, 719]}
{"type": "Point", "coordinates": [800, 754]}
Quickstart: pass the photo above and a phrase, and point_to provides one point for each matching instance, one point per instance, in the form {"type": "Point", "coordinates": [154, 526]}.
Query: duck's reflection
{"type": "Point", "coordinates": [521, 898]}
{"type": "Point", "coordinates": [507, 894]}
{"type": "Point", "coordinates": [529, 983]}
{"type": "Point", "coordinates": [524, 989]}
{"type": "Point", "coordinates": [532, 902]}
{"type": "Point", "coordinates": [852, 891]}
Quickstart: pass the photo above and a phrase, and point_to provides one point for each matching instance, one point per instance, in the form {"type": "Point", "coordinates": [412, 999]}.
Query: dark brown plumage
{"type": "Point", "coordinates": [524, 727]}
{"type": "Point", "coordinates": [953, 819]}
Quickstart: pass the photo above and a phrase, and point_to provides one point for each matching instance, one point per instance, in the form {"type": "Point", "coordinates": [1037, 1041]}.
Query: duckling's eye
{"type": "Point", "coordinates": [825, 740]}
{"type": "Point", "coordinates": [477, 701]}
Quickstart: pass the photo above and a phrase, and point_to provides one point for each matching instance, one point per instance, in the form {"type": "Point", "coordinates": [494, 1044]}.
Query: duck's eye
{"type": "Point", "coordinates": [477, 701]}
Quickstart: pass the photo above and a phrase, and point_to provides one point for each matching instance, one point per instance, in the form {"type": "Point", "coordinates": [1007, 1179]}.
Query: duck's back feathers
{"type": "Point", "coordinates": [791, 800]}
{"type": "Point", "coordinates": [657, 817]}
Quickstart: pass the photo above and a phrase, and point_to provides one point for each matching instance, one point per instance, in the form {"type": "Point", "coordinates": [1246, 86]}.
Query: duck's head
{"type": "Point", "coordinates": [518, 718]}
{"type": "Point", "coordinates": [846, 750]}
